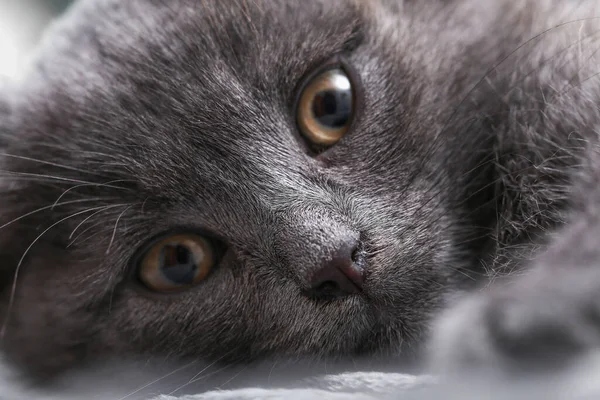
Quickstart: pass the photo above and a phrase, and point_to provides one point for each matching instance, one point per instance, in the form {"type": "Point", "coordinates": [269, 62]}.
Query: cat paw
{"type": "Point", "coordinates": [540, 323]}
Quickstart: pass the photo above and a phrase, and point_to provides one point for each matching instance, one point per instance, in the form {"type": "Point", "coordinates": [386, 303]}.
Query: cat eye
{"type": "Point", "coordinates": [177, 262]}
{"type": "Point", "coordinates": [326, 107]}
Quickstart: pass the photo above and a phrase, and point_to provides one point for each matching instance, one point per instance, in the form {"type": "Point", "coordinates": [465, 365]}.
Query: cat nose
{"type": "Point", "coordinates": [340, 275]}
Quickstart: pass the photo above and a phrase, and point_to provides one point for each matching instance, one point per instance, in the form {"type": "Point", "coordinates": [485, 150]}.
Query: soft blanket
{"type": "Point", "coordinates": [581, 382]}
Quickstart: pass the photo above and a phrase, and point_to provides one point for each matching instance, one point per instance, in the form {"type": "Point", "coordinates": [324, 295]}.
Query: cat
{"type": "Point", "coordinates": [324, 179]}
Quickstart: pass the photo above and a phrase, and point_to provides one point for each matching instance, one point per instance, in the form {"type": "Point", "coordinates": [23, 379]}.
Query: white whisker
{"type": "Point", "coordinates": [158, 380]}
{"type": "Point", "coordinates": [107, 184]}
{"type": "Point", "coordinates": [112, 239]}
{"type": "Point", "coordinates": [200, 377]}
{"type": "Point", "coordinates": [220, 387]}
{"type": "Point", "coordinates": [94, 214]}
{"type": "Point", "coordinates": [193, 379]}
{"type": "Point", "coordinates": [51, 163]}
{"type": "Point", "coordinates": [16, 275]}
{"type": "Point", "coordinates": [49, 207]}
{"type": "Point", "coordinates": [50, 177]}
{"type": "Point", "coordinates": [84, 232]}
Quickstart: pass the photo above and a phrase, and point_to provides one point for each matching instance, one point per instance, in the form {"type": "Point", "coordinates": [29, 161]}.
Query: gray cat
{"type": "Point", "coordinates": [320, 179]}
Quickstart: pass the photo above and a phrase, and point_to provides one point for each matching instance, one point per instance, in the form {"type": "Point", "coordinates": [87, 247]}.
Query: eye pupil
{"type": "Point", "coordinates": [332, 108]}
{"type": "Point", "coordinates": [326, 106]}
{"type": "Point", "coordinates": [178, 264]}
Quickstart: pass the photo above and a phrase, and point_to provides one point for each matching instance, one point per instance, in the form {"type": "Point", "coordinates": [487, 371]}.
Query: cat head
{"type": "Point", "coordinates": [233, 181]}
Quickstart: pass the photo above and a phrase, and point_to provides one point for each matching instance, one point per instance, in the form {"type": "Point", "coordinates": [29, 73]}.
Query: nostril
{"type": "Point", "coordinates": [356, 253]}
{"type": "Point", "coordinates": [340, 274]}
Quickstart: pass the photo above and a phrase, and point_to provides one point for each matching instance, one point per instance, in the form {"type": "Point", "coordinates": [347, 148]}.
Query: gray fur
{"type": "Point", "coordinates": [468, 140]}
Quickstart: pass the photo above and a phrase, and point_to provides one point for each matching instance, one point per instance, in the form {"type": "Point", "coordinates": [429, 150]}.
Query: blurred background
{"type": "Point", "coordinates": [21, 24]}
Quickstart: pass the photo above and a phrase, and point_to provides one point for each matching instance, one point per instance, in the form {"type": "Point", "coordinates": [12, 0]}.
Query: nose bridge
{"type": "Point", "coordinates": [310, 237]}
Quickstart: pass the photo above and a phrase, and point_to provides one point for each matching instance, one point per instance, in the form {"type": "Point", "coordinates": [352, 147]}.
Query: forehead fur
{"type": "Point", "coordinates": [152, 79]}
{"type": "Point", "coordinates": [263, 45]}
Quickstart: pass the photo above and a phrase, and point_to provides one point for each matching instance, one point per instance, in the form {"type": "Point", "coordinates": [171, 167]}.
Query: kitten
{"type": "Point", "coordinates": [237, 181]}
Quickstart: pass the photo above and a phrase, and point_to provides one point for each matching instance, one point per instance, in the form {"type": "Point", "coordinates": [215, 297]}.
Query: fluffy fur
{"type": "Point", "coordinates": [474, 121]}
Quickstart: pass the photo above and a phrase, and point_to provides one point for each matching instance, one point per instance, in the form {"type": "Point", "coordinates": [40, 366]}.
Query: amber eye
{"type": "Point", "coordinates": [176, 263]}
{"type": "Point", "coordinates": [326, 107]}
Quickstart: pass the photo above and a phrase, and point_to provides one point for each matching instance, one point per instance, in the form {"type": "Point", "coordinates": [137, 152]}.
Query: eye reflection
{"type": "Point", "coordinates": [176, 263]}
{"type": "Point", "coordinates": [326, 107]}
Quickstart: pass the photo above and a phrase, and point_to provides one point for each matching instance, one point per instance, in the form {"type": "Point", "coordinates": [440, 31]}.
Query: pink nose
{"type": "Point", "coordinates": [339, 276]}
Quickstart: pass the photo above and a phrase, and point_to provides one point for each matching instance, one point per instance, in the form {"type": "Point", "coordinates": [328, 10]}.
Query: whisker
{"type": "Point", "coordinates": [51, 177]}
{"type": "Point", "coordinates": [158, 380]}
{"type": "Point", "coordinates": [510, 54]}
{"type": "Point", "coordinates": [580, 83]}
{"type": "Point", "coordinates": [84, 232]}
{"type": "Point", "coordinates": [193, 378]}
{"type": "Point", "coordinates": [199, 377]}
{"type": "Point", "coordinates": [112, 239]}
{"type": "Point", "coordinates": [555, 55]}
{"type": "Point", "coordinates": [51, 163]}
{"type": "Point", "coordinates": [49, 207]}
{"type": "Point", "coordinates": [107, 185]}
{"type": "Point", "coordinates": [494, 68]}
{"type": "Point", "coordinates": [144, 204]}
{"type": "Point", "coordinates": [94, 214]}
{"type": "Point", "coordinates": [96, 144]}
{"type": "Point", "coordinates": [220, 387]}
{"type": "Point", "coordinates": [16, 275]}
{"type": "Point", "coordinates": [271, 372]}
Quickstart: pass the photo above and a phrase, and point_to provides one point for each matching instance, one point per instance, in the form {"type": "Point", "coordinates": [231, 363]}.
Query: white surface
{"type": "Point", "coordinates": [21, 24]}
{"type": "Point", "coordinates": [580, 383]}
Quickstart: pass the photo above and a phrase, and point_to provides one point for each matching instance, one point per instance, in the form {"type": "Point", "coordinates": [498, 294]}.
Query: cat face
{"type": "Point", "coordinates": [233, 182]}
